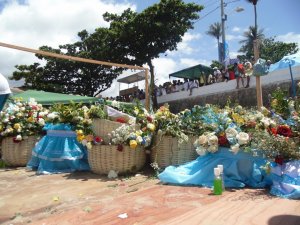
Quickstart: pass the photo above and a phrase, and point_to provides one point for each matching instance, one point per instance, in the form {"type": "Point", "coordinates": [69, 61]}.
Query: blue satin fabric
{"type": "Point", "coordinates": [58, 151]}
{"type": "Point", "coordinates": [286, 180]}
{"type": "Point", "coordinates": [240, 170]}
{"type": "Point", "coordinates": [3, 99]}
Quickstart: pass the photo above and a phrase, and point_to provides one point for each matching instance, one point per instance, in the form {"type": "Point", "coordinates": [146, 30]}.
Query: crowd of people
{"type": "Point", "coordinates": [241, 72]}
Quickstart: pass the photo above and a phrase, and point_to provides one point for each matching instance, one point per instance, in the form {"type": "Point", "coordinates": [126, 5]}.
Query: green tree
{"type": "Point", "coordinates": [275, 50]}
{"type": "Point", "coordinates": [215, 30]}
{"type": "Point", "coordinates": [64, 76]}
{"type": "Point", "coordinates": [247, 43]}
{"type": "Point", "coordinates": [145, 36]}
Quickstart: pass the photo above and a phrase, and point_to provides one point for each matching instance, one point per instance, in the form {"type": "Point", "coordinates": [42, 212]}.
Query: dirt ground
{"type": "Point", "coordinates": [86, 198]}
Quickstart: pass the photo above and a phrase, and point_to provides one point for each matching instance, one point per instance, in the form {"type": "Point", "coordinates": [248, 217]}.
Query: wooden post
{"type": "Point", "coordinates": [258, 84]}
{"type": "Point", "coordinates": [67, 57]}
{"type": "Point", "coordinates": [147, 97]}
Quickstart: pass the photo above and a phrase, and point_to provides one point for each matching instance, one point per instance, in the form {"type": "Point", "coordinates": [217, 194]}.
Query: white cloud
{"type": "Point", "coordinates": [290, 37]}
{"type": "Point", "coordinates": [184, 47]}
{"type": "Point", "coordinates": [188, 62]}
{"type": "Point", "coordinates": [230, 37]}
{"type": "Point", "coordinates": [233, 55]}
{"type": "Point", "coordinates": [236, 29]}
{"type": "Point", "coordinates": [48, 22]}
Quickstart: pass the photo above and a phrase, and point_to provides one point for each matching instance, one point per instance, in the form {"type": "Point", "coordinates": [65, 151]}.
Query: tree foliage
{"type": "Point", "coordinates": [157, 29]}
{"type": "Point", "coordinates": [275, 50]}
{"type": "Point", "coordinates": [249, 37]}
{"type": "Point", "coordinates": [65, 76]}
{"type": "Point", "coordinates": [215, 30]}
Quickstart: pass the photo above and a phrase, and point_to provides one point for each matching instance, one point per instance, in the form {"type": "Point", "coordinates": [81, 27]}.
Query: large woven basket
{"type": "Point", "coordinates": [103, 158]}
{"type": "Point", "coordinates": [103, 127]}
{"type": "Point", "coordinates": [17, 154]}
{"type": "Point", "coordinates": [166, 151]}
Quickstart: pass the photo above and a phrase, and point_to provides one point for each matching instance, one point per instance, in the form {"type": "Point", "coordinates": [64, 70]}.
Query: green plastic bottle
{"type": "Point", "coordinates": [217, 189]}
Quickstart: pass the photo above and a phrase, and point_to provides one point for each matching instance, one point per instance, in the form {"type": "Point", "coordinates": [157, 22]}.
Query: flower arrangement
{"type": "Point", "coordinates": [79, 117]}
{"type": "Point", "coordinates": [127, 135]}
{"type": "Point", "coordinates": [167, 123]}
{"type": "Point", "coordinates": [22, 119]}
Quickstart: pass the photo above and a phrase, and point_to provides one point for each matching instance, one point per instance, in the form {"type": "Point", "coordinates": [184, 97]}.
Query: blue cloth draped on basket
{"type": "Point", "coordinates": [58, 151]}
{"type": "Point", "coordinates": [286, 180]}
{"type": "Point", "coordinates": [240, 170]}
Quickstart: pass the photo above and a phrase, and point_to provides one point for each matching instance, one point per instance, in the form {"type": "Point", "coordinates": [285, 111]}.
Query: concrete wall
{"type": "Point", "coordinates": [219, 93]}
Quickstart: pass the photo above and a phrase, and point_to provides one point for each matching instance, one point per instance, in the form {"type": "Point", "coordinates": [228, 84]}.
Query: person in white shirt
{"type": "Point", "coordinates": [4, 90]}
{"type": "Point", "coordinates": [186, 84]}
{"type": "Point", "coordinates": [217, 75]}
{"type": "Point", "coordinates": [193, 84]}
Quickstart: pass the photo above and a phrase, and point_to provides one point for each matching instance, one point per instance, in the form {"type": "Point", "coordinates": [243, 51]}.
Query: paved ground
{"type": "Point", "coordinates": [86, 198]}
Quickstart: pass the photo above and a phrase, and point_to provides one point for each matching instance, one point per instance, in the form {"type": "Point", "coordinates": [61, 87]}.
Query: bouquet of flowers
{"type": "Point", "coordinates": [127, 135]}
{"type": "Point", "coordinates": [22, 119]}
{"type": "Point", "coordinates": [78, 116]}
{"type": "Point", "coordinates": [167, 123]}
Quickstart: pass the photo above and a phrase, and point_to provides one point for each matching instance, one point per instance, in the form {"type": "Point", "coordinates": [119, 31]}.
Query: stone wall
{"type": "Point", "coordinates": [243, 96]}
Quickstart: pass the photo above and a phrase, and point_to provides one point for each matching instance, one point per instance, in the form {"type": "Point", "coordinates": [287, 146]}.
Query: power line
{"type": "Point", "coordinates": [207, 14]}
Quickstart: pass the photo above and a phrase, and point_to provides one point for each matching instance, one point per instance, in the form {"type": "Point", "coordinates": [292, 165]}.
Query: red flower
{"type": "Point", "coordinates": [98, 139]}
{"type": "Point", "coordinates": [15, 140]}
{"type": "Point", "coordinates": [120, 148]}
{"type": "Point", "coordinates": [273, 130]}
{"type": "Point", "coordinates": [284, 130]}
{"type": "Point", "coordinates": [279, 159]}
{"type": "Point", "coordinates": [149, 118]}
{"type": "Point", "coordinates": [222, 139]}
{"type": "Point", "coordinates": [121, 120]}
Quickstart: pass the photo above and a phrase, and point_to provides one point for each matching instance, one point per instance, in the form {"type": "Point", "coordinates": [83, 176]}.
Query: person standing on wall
{"type": "Point", "coordinates": [248, 72]}
{"type": "Point", "coordinates": [4, 91]}
{"type": "Point", "coordinates": [238, 75]}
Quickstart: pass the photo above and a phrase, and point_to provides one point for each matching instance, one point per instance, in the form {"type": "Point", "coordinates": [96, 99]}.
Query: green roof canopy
{"type": "Point", "coordinates": [192, 72]}
{"type": "Point", "coordinates": [50, 98]}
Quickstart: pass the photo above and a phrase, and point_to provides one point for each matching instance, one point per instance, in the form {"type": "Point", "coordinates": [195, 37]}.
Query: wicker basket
{"type": "Point", "coordinates": [103, 158]}
{"type": "Point", "coordinates": [167, 152]}
{"type": "Point", "coordinates": [17, 154]}
{"type": "Point", "coordinates": [103, 127]}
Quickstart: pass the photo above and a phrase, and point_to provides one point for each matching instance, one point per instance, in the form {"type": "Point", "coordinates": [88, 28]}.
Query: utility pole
{"type": "Point", "coordinates": [223, 19]}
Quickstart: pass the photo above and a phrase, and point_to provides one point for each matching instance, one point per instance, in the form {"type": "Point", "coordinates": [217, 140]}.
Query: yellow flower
{"type": "Point", "coordinates": [274, 103]}
{"type": "Point", "coordinates": [1, 128]}
{"type": "Point", "coordinates": [17, 126]}
{"type": "Point", "coordinates": [237, 118]}
{"type": "Point", "coordinates": [133, 144]}
{"type": "Point", "coordinates": [151, 126]}
{"type": "Point", "coordinates": [30, 119]}
{"type": "Point", "coordinates": [79, 132]}
{"type": "Point", "coordinates": [80, 137]}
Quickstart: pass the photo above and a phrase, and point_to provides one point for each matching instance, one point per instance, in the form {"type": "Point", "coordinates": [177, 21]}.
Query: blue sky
{"type": "Point", "coordinates": [32, 23]}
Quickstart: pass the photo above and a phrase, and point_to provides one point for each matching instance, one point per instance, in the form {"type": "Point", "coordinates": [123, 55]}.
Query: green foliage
{"type": "Point", "coordinates": [65, 76]}
{"type": "Point", "coordinates": [216, 64]}
{"type": "Point", "coordinates": [247, 43]}
{"type": "Point", "coordinates": [275, 50]}
{"type": "Point", "coordinates": [280, 102]}
{"type": "Point", "coordinates": [159, 28]}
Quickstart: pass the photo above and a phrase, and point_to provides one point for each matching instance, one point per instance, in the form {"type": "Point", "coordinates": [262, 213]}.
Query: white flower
{"type": "Point", "coordinates": [213, 148]}
{"type": "Point", "coordinates": [84, 142]}
{"type": "Point", "coordinates": [89, 145]}
{"type": "Point", "coordinates": [212, 139]}
{"type": "Point", "coordinates": [139, 139]}
{"type": "Point", "coordinates": [41, 121]}
{"type": "Point", "coordinates": [243, 138]}
{"type": "Point", "coordinates": [202, 140]}
{"type": "Point", "coordinates": [231, 132]}
{"type": "Point", "coordinates": [235, 148]}
{"type": "Point", "coordinates": [201, 150]}
{"type": "Point", "coordinates": [112, 174]}
{"type": "Point", "coordinates": [19, 137]}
